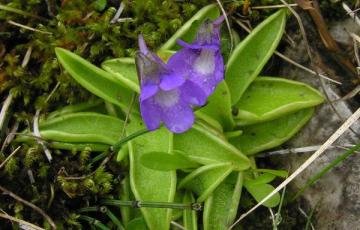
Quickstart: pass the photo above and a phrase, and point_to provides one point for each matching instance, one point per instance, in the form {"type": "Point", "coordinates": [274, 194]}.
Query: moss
{"type": "Point", "coordinates": [32, 155]}
{"type": "Point", "coordinates": [85, 29]}
{"type": "Point", "coordinates": [81, 27]}
{"type": "Point", "coordinates": [12, 167]}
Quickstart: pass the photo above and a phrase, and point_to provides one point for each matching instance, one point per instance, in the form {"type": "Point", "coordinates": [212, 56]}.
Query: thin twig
{"type": "Point", "coordinates": [301, 26]}
{"type": "Point", "coordinates": [128, 115]}
{"type": "Point", "coordinates": [305, 68]}
{"type": "Point", "coordinates": [246, 28]}
{"type": "Point", "coordinates": [9, 157]}
{"type": "Point", "coordinates": [345, 126]}
{"type": "Point", "coordinates": [30, 135]}
{"type": "Point", "coordinates": [52, 91]}
{"type": "Point", "coordinates": [27, 27]}
{"type": "Point", "coordinates": [10, 136]}
{"type": "Point", "coordinates": [227, 24]}
{"type": "Point", "coordinates": [349, 95]}
{"type": "Point", "coordinates": [278, 213]}
{"type": "Point", "coordinates": [272, 218]}
{"type": "Point", "coordinates": [306, 216]}
{"type": "Point", "coordinates": [31, 205]}
{"type": "Point", "coordinates": [271, 6]}
{"type": "Point", "coordinates": [351, 13]}
{"type": "Point", "coordinates": [5, 216]}
{"type": "Point", "coordinates": [332, 106]}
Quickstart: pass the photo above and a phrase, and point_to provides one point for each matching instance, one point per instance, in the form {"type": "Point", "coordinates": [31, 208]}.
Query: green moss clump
{"type": "Point", "coordinates": [29, 71]}
{"type": "Point", "coordinates": [83, 28]}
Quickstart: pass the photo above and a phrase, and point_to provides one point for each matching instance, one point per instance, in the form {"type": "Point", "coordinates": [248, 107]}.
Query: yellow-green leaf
{"type": "Point", "coordinates": [268, 98]}
{"type": "Point", "coordinates": [250, 56]}
{"type": "Point", "coordinates": [269, 134]}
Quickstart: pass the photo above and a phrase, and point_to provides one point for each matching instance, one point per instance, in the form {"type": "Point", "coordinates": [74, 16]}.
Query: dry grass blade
{"type": "Point", "coordinates": [9, 157]}
{"type": "Point", "coordinates": [302, 150]}
{"type": "Point", "coordinates": [351, 13]}
{"type": "Point", "coordinates": [177, 225]}
{"type": "Point", "coordinates": [345, 126]}
{"type": "Point", "coordinates": [36, 131]}
{"type": "Point", "coordinates": [325, 170]}
{"type": "Point", "coordinates": [4, 111]}
{"type": "Point", "coordinates": [26, 57]}
{"type": "Point", "coordinates": [23, 222]}
{"type": "Point", "coordinates": [31, 205]}
{"type": "Point", "coordinates": [27, 27]}
{"type": "Point", "coordinates": [271, 6]}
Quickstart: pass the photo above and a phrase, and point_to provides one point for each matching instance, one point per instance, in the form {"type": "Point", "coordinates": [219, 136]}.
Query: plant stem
{"type": "Point", "coordinates": [147, 204]}
{"type": "Point", "coordinates": [93, 221]}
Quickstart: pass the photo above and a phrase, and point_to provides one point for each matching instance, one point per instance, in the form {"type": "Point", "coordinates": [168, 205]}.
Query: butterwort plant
{"type": "Point", "coordinates": [263, 112]}
{"type": "Point", "coordinates": [169, 91]}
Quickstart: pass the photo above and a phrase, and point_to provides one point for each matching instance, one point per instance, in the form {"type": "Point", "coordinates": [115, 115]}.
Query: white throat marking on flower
{"type": "Point", "coordinates": [205, 63]}
{"type": "Point", "coordinates": [167, 98]}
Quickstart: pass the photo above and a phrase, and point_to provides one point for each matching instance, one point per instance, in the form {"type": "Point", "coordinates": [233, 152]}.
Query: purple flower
{"type": "Point", "coordinates": [201, 61]}
{"type": "Point", "coordinates": [166, 95]}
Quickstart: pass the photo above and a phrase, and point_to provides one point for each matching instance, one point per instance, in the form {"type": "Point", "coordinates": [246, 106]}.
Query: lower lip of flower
{"type": "Point", "coordinates": [167, 98]}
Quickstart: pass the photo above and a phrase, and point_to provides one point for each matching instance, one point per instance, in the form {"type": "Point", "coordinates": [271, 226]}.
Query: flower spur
{"type": "Point", "coordinates": [201, 61]}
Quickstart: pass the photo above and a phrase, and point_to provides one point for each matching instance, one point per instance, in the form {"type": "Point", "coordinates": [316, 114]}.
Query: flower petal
{"type": "Point", "coordinates": [149, 69]}
{"type": "Point", "coordinates": [148, 91]}
{"type": "Point", "coordinates": [197, 46]}
{"type": "Point", "coordinates": [142, 45]}
{"type": "Point", "coordinates": [150, 113]}
{"type": "Point", "coordinates": [171, 81]}
{"type": "Point", "coordinates": [217, 22]}
{"type": "Point", "coordinates": [193, 94]}
{"type": "Point", "coordinates": [182, 60]}
{"type": "Point", "coordinates": [209, 66]}
{"type": "Point", "coordinates": [166, 99]}
{"type": "Point", "coordinates": [178, 118]}
{"type": "Point", "coordinates": [209, 32]}
{"type": "Point", "coordinates": [205, 67]}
